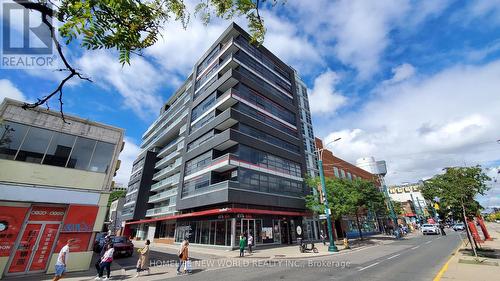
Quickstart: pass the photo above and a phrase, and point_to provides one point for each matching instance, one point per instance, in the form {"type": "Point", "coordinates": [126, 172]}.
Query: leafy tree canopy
{"type": "Point", "coordinates": [457, 186]}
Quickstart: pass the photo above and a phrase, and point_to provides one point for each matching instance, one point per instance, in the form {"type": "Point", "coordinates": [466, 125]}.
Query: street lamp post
{"type": "Point", "coordinates": [331, 247]}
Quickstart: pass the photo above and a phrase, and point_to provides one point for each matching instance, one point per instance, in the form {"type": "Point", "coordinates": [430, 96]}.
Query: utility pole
{"type": "Point", "coordinates": [331, 247]}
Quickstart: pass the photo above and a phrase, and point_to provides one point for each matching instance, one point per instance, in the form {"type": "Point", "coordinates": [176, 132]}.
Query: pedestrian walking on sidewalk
{"type": "Point", "coordinates": [106, 261]}
{"type": "Point", "coordinates": [105, 242]}
{"type": "Point", "coordinates": [242, 245]}
{"type": "Point", "coordinates": [183, 255]}
{"type": "Point", "coordinates": [250, 242]}
{"type": "Point", "coordinates": [62, 260]}
{"type": "Point", "coordinates": [143, 261]}
{"type": "Point", "coordinates": [323, 238]}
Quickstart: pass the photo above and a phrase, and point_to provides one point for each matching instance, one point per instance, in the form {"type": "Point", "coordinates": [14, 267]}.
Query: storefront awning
{"type": "Point", "coordinates": [223, 211]}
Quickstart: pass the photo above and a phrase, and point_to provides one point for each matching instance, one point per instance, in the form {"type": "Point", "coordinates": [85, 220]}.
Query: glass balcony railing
{"type": "Point", "coordinates": [163, 173]}
{"type": "Point", "coordinates": [151, 139]}
{"type": "Point", "coordinates": [163, 195]}
{"type": "Point", "coordinates": [172, 180]}
{"type": "Point", "coordinates": [176, 144]}
{"type": "Point", "coordinates": [160, 211]}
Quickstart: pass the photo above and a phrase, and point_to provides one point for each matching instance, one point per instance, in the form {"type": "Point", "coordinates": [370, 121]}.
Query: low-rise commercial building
{"type": "Point", "coordinates": [335, 167]}
{"type": "Point", "coordinates": [55, 179]}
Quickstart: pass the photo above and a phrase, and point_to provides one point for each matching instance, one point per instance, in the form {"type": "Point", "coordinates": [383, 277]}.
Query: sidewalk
{"type": "Point", "coordinates": [284, 252]}
{"type": "Point", "coordinates": [462, 266]}
{"type": "Point", "coordinates": [216, 259]}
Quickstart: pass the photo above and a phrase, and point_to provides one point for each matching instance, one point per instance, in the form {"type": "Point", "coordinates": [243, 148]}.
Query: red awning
{"type": "Point", "coordinates": [224, 211]}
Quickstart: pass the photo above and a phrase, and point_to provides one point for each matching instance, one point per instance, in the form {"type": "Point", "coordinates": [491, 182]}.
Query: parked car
{"type": "Point", "coordinates": [122, 246]}
{"type": "Point", "coordinates": [459, 226]}
{"type": "Point", "coordinates": [429, 229]}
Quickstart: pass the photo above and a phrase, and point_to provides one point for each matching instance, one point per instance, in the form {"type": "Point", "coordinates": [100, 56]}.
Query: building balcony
{"type": "Point", "coordinates": [167, 171]}
{"type": "Point", "coordinates": [163, 195]}
{"type": "Point", "coordinates": [166, 210]}
{"type": "Point", "coordinates": [165, 133]}
{"type": "Point", "coordinates": [167, 160]}
{"type": "Point", "coordinates": [170, 181]}
{"type": "Point", "coordinates": [171, 146]}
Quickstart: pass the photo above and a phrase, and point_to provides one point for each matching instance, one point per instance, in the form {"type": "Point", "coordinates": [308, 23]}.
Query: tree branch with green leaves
{"type": "Point", "coordinates": [128, 26]}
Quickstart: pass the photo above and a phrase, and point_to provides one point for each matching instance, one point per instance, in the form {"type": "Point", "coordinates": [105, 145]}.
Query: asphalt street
{"type": "Point", "coordinates": [416, 258]}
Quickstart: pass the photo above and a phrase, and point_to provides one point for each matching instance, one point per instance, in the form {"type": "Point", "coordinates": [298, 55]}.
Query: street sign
{"type": "Point", "coordinates": [328, 212]}
{"type": "Point", "coordinates": [322, 217]}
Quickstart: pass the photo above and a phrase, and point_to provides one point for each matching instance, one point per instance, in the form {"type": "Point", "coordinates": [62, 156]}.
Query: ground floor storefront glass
{"type": "Point", "coordinates": [368, 226]}
{"type": "Point", "coordinates": [227, 231]}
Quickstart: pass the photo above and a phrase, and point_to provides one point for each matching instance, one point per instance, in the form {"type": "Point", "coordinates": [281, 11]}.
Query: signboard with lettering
{"type": "Point", "coordinates": [25, 248]}
{"type": "Point", "coordinates": [42, 253]}
{"type": "Point", "coordinates": [47, 213]}
{"type": "Point", "coordinates": [80, 218]}
{"type": "Point", "coordinates": [11, 221]}
{"type": "Point", "coordinates": [405, 189]}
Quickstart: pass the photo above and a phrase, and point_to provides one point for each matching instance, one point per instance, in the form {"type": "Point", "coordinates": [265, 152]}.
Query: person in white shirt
{"type": "Point", "coordinates": [62, 260]}
{"type": "Point", "coordinates": [106, 261]}
{"type": "Point", "coordinates": [250, 242]}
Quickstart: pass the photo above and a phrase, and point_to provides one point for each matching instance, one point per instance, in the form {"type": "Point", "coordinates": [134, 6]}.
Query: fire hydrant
{"type": "Point", "coordinates": [346, 243]}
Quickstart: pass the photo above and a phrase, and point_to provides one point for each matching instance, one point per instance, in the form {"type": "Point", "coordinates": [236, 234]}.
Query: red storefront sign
{"type": "Point", "coordinates": [11, 221]}
{"type": "Point", "coordinates": [45, 245]}
{"type": "Point", "coordinates": [25, 248]}
{"type": "Point", "coordinates": [80, 218]}
{"type": "Point", "coordinates": [44, 213]}
{"type": "Point", "coordinates": [78, 225]}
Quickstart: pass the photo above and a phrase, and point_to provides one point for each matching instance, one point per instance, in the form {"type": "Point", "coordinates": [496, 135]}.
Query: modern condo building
{"type": "Point", "coordinates": [227, 155]}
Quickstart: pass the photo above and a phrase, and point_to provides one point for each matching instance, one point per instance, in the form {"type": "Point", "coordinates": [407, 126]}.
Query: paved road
{"type": "Point", "coordinates": [417, 258]}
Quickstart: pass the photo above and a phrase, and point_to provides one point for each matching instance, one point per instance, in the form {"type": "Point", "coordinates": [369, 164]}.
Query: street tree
{"type": "Point", "coordinates": [128, 26]}
{"type": "Point", "coordinates": [455, 191]}
{"type": "Point", "coordinates": [348, 197]}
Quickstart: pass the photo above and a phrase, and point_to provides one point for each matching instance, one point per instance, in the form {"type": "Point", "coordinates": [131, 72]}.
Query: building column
{"type": "Point", "coordinates": [233, 233]}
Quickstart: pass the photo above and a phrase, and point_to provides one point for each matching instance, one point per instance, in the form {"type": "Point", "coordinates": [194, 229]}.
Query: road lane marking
{"type": "Point", "coordinates": [416, 247]}
{"type": "Point", "coordinates": [428, 242]}
{"type": "Point", "coordinates": [438, 238]}
{"type": "Point", "coordinates": [445, 266]}
{"type": "Point", "coordinates": [396, 255]}
{"type": "Point", "coordinates": [373, 264]}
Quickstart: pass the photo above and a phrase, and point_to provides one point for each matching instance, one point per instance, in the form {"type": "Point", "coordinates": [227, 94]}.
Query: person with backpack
{"type": "Point", "coordinates": [105, 263]}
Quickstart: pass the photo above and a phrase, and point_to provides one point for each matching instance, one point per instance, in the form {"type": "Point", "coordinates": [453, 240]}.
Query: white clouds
{"type": "Point", "coordinates": [323, 98]}
{"type": "Point", "coordinates": [9, 90]}
{"type": "Point", "coordinates": [127, 157]}
{"type": "Point", "coordinates": [485, 8]}
{"type": "Point", "coordinates": [402, 72]}
{"type": "Point", "coordinates": [423, 124]}
{"type": "Point", "coordinates": [137, 83]}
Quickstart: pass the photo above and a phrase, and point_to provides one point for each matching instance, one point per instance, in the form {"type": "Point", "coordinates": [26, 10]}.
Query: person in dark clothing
{"type": "Point", "coordinates": [441, 226]}
{"type": "Point", "coordinates": [107, 241]}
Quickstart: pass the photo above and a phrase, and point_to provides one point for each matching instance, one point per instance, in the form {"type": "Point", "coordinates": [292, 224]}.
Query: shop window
{"type": "Point", "coordinates": [59, 150]}
{"type": "Point", "coordinates": [34, 145]}
{"type": "Point", "coordinates": [102, 157]}
{"type": "Point", "coordinates": [82, 153]}
{"type": "Point", "coordinates": [11, 137]}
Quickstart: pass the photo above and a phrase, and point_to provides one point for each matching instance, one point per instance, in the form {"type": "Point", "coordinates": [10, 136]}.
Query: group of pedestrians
{"type": "Point", "coordinates": [244, 242]}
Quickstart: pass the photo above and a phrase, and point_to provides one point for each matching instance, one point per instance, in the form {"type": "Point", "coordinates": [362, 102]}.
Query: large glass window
{"type": "Point", "coordinates": [265, 119]}
{"type": "Point", "coordinates": [207, 118]}
{"type": "Point", "coordinates": [256, 181]}
{"type": "Point", "coordinates": [195, 185]}
{"type": "Point", "coordinates": [102, 157]}
{"type": "Point", "coordinates": [258, 134]}
{"type": "Point", "coordinates": [82, 152]}
{"type": "Point", "coordinates": [11, 137]}
{"type": "Point", "coordinates": [199, 141]}
{"type": "Point", "coordinates": [264, 103]}
{"type": "Point", "coordinates": [267, 160]}
{"type": "Point", "coordinates": [198, 163]}
{"type": "Point", "coordinates": [34, 145]}
{"type": "Point", "coordinates": [203, 106]}
{"type": "Point", "coordinates": [59, 150]}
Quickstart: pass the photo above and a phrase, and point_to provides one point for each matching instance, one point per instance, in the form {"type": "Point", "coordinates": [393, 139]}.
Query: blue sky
{"type": "Point", "coordinates": [415, 83]}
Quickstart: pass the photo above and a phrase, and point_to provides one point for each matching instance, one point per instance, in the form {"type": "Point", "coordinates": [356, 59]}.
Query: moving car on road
{"type": "Point", "coordinates": [459, 226]}
{"type": "Point", "coordinates": [429, 229]}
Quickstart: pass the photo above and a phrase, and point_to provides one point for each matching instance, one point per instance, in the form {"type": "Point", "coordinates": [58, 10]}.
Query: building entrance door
{"type": "Point", "coordinates": [35, 248]}
{"type": "Point", "coordinates": [285, 230]}
{"type": "Point", "coordinates": [36, 241]}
